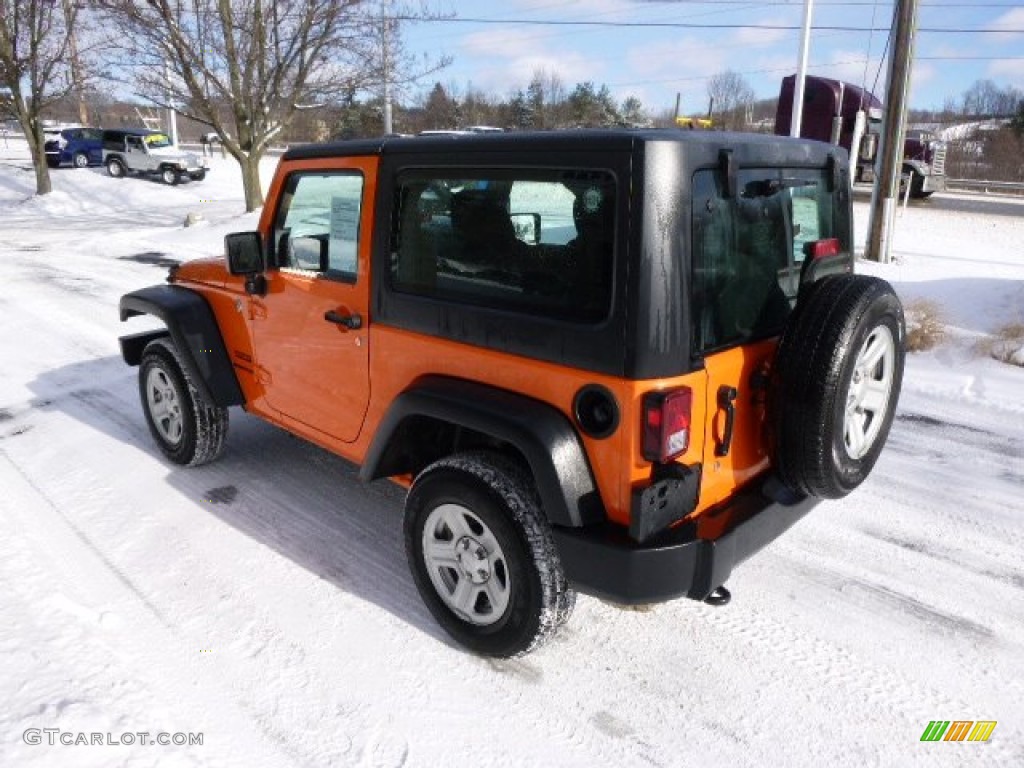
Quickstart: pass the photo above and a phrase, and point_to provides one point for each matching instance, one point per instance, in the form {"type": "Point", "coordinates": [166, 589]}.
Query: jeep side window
{"type": "Point", "coordinates": [531, 241]}
{"type": "Point", "coordinates": [133, 143]}
{"type": "Point", "coordinates": [317, 224]}
{"type": "Point", "coordinates": [748, 250]}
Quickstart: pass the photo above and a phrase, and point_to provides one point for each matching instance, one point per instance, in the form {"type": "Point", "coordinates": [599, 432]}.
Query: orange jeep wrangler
{"type": "Point", "coordinates": [618, 362]}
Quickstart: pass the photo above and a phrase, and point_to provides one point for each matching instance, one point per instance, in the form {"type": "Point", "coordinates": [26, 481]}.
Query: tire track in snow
{"type": "Point", "coordinates": [78, 564]}
{"type": "Point", "coordinates": [290, 511]}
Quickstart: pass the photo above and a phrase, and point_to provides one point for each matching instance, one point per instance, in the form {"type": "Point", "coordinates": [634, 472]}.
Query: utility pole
{"type": "Point", "coordinates": [172, 122]}
{"type": "Point", "coordinates": [71, 10]}
{"type": "Point", "coordinates": [885, 196]}
{"type": "Point", "coordinates": [797, 115]}
{"type": "Point", "coordinates": [385, 24]}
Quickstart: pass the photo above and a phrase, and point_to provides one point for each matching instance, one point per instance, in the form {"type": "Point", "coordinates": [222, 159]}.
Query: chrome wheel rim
{"type": "Point", "coordinates": [169, 177]}
{"type": "Point", "coordinates": [466, 564]}
{"type": "Point", "coordinates": [81, 161]}
{"type": "Point", "coordinates": [164, 406]}
{"type": "Point", "coordinates": [867, 399]}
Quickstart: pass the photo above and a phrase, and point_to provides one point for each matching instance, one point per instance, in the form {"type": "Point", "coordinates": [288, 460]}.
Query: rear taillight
{"type": "Point", "coordinates": [819, 249]}
{"type": "Point", "coordinates": [666, 429]}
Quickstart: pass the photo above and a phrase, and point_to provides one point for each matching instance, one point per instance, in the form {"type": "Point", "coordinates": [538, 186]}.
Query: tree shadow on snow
{"type": "Point", "coordinates": [299, 500]}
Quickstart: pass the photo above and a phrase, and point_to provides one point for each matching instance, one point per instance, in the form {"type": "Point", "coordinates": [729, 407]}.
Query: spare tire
{"type": "Point", "coordinates": [835, 384]}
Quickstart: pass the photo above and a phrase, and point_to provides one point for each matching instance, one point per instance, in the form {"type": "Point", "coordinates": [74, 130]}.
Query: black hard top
{"type": "Point", "coordinates": [623, 139]}
{"type": "Point", "coordinates": [128, 132]}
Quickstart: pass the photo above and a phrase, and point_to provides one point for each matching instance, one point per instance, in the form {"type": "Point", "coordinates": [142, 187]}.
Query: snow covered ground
{"type": "Point", "coordinates": [264, 601]}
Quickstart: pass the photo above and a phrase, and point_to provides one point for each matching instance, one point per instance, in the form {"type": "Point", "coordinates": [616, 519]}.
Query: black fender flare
{"type": "Point", "coordinates": [543, 435]}
{"type": "Point", "coordinates": [193, 329]}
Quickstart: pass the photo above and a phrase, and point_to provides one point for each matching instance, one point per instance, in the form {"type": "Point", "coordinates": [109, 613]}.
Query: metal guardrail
{"type": "Point", "coordinates": [974, 185]}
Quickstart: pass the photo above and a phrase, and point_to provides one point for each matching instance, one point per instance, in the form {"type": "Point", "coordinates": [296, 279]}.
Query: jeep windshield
{"type": "Point", "coordinates": [157, 141]}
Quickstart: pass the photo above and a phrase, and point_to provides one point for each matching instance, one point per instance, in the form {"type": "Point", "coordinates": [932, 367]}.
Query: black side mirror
{"type": "Point", "coordinates": [245, 253]}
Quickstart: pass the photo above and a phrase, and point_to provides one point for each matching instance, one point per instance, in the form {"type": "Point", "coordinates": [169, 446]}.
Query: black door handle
{"type": "Point", "coordinates": [726, 396]}
{"type": "Point", "coordinates": [353, 322]}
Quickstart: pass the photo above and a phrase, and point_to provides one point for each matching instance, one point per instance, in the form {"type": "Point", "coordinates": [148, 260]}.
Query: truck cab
{"type": "Point", "coordinates": [830, 113]}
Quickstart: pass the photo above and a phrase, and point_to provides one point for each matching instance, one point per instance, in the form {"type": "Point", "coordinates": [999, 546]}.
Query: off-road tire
{"type": "Point", "coordinates": [116, 168]}
{"type": "Point", "coordinates": [917, 187]}
{"type": "Point", "coordinates": [196, 431]}
{"type": "Point", "coordinates": [169, 176]}
{"type": "Point", "coordinates": [197, 176]}
{"type": "Point", "coordinates": [825, 373]}
{"type": "Point", "coordinates": [52, 162]}
{"type": "Point", "coordinates": [489, 492]}
{"type": "Point", "coordinates": [80, 160]}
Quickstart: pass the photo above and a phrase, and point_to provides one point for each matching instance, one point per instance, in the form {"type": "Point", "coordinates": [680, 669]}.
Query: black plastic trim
{"type": "Point", "coordinates": [193, 328]}
{"type": "Point", "coordinates": [580, 401]}
{"type": "Point", "coordinates": [604, 561]}
{"type": "Point", "coordinates": [543, 435]}
{"type": "Point", "coordinates": [671, 496]}
{"type": "Point", "coordinates": [133, 345]}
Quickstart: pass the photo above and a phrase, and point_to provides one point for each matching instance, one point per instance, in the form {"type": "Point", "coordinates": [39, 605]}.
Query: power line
{"type": "Point", "coordinates": [835, 3]}
{"type": "Point", "coordinates": [688, 25]}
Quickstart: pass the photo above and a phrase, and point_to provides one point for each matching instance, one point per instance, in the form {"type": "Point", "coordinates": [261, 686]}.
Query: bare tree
{"type": "Point", "coordinates": [244, 67]}
{"type": "Point", "coordinates": [34, 52]}
{"type": "Point", "coordinates": [986, 99]}
{"type": "Point", "coordinates": [731, 96]}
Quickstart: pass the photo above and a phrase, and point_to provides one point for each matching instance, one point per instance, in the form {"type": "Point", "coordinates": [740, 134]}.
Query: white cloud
{"type": "Point", "coordinates": [759, 38]}
{"type": "Point", "coordinates": [849, 66]}
{"type": "Point", "coordinates": [1012, 69]}
{"type": "Point", "coordinates": [511, 56]}
{"type": "Point", "coordinates": [1010, 20]}
{"type": "Point", "coordinates": [682, 59]}
{"type": "Point", "coordinates": [922, 74]}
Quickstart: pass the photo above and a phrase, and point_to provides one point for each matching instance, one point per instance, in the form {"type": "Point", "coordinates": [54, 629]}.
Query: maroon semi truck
{"type": "Point", "coordinates": [830, 114]}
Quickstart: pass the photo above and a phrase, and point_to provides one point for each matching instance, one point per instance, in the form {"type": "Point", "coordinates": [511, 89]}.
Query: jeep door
{"type": "Point", "coordinates": [748, 253]}
{"type": "Point", "coordinates": [135, 153]}
{"type": "Point", "coordinates": [310, 328]}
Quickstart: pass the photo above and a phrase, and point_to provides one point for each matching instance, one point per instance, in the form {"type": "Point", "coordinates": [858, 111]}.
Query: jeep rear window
{"type": "Point", "coordinates": [748, 250]}
{"type": "Point", "coordinates": [539, 242]}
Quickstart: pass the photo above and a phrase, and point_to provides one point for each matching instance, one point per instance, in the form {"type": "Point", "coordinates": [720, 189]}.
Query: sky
{"type": "Point", "coordinates": [655, 63]}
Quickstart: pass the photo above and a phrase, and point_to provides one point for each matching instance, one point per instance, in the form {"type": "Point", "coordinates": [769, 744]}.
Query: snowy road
{"type": "Point", "coordinates": [264, 600]}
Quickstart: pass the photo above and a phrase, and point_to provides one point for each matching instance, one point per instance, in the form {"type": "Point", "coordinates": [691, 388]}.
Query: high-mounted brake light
{"type": "Point", "coordinates": [666, 428]}
{"type": "Point", "coordinates": [819, 249]}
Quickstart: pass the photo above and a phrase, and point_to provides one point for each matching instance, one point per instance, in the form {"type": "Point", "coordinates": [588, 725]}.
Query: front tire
{"type": "Point", "coordinates": [116, 168]}
{"type": "Point", "coordinates": [170, 176]}
{"type": "Point", "coordinates": [198, 175]}
{"type": "Point", "coordinates": [482, 555]}
{"type": "Point", "coordinates": [836, 382]}
{"type": "Point", "coordinates": [186, 428]}
{"type": "Point", "coordinates": [917, 187]}
{"type": "Point", "coordinates": [80, 160]}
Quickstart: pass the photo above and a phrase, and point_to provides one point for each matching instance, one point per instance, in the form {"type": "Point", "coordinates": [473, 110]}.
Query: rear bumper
{"type": "Point", "coordinates": [605, 562]}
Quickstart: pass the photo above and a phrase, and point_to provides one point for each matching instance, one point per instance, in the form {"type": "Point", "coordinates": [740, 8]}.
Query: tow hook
{"type": "Point", "coordinates": [721, 596]}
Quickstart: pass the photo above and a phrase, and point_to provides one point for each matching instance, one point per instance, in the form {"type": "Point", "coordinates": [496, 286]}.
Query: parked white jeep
{"type": "Point", "coordinates": [152, 153]}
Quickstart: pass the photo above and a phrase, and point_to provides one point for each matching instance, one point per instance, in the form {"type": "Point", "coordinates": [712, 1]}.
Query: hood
{"type": "Point", "coordinates": [174, 154]}
{"type": "Point", "coordinates": [212, 270]}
